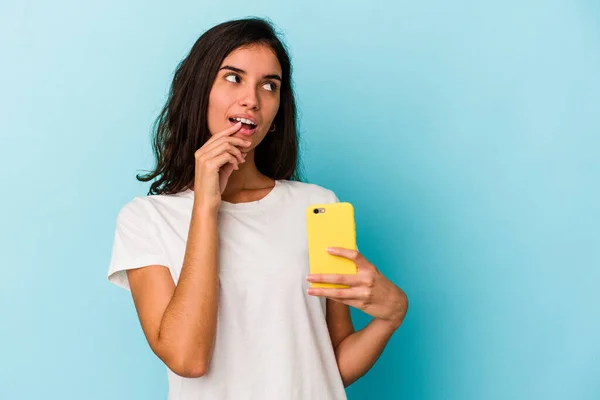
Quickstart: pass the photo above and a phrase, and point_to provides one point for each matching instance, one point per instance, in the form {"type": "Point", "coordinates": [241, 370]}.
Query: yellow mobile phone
{"type": "Point", "coordinates": [330, 225]}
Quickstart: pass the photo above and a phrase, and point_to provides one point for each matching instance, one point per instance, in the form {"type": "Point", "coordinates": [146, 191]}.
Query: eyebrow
{"type": "Point", "coordinates": [241, 71]}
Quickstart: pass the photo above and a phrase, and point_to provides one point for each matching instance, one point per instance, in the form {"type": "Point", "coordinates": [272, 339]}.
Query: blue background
{"type": "Point", "coordinates": [465, 133]}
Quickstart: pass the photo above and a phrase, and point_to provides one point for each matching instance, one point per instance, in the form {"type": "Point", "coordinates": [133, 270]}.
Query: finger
{"type": "Point", "coordinates": [225, 147]}
{"type": "Point", "coordinates": [342, 279]}
{"type": "Point", "coordinates": [229, 139]}
{"type": "Point", "coordinates": [223, 159]}
{"type": "Point", "coordinates": [227, 132]}
{"type": "Point", "coordinates": [350, 254]}
{"type": "Point", "coordinates": [239, 142]}
{"type": "Point", "coordinates": [335, 293]}
{"type": "Point", "coordinates": [224, 133]}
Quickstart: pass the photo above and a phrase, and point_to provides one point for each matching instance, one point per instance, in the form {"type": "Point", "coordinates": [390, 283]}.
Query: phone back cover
{"type": "Point", "coordinates": [334, 228]}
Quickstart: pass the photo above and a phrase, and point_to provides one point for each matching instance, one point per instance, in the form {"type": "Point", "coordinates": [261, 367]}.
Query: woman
{"type": "Point", "coordinates": [215, 256]}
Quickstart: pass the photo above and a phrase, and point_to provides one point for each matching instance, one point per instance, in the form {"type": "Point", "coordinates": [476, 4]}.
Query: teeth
{"type": "Point", "coordinates": [244, 120]}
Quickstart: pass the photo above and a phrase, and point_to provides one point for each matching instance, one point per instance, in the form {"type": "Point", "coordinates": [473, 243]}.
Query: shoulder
{"type": "Point", "coordinates": [313, 192]}
{"type": "Point", "coordinates": [150, 205]}
{"type": "Point", "coordinates": [141, 208]}
{"type": "Point", "coordinates": [137, 210]}
{"type": "Point", "coordinates": [155, 212]}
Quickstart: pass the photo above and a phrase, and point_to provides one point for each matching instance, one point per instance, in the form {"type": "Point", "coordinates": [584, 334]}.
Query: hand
{"type": "Point", "coordinates": [368, 289]}
{"type": "Point", "coordinates": [215, 161]}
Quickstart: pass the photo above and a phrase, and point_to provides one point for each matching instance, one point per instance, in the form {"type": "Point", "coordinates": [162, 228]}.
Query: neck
{"type": "Point", "coordinates": [248, 177]}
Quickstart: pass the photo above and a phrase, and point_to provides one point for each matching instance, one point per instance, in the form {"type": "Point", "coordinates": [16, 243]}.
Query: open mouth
{"type": "Point", "coordinates": [246, 123]}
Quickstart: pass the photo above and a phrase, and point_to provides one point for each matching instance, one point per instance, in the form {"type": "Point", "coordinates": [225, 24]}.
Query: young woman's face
{"type": "Point", "coordinates": [247, 86]}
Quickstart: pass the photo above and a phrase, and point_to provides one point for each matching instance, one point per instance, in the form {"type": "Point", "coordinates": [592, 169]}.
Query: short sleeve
{"type": "Point", "coordinates": [135, 243]}
{"type": "Point", "coordinates": [334, 199]}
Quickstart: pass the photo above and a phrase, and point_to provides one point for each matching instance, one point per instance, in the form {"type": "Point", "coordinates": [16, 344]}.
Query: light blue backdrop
{"type": "Point", "coordinates": [465, 133]}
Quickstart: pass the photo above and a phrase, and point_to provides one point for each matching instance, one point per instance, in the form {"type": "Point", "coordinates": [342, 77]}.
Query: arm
{"type": "Point", "coordinates": [371, 292]}
{"type": "Point", "coordinates": [179, 322]}
{"type": "Point", "coordinates": [356, 352]}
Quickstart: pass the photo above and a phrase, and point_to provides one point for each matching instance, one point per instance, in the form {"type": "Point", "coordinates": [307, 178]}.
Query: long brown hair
{"type": "Point", "coordinates": [182, 128]}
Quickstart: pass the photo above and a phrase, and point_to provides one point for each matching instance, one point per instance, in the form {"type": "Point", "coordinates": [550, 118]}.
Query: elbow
{"type": "Point", "coordinates": [188, 369]}
{"type": "Point", "coordinates": [191, 371]}
{"type": "Point", "coordinates": [346, 381]}
{"type": "Point", "coordinates": [182, 363]}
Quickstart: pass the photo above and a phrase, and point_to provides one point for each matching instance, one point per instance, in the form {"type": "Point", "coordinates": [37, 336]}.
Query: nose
{"type": "Point", "coordinates": [249, 99]}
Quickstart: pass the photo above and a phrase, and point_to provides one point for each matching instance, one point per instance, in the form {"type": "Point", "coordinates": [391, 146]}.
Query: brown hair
{"type": "Point", "coordinates": [182, 128]}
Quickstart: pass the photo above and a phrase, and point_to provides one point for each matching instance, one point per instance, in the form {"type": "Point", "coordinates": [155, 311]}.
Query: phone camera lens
{"type": "Point", "coordinates": [316, 210]}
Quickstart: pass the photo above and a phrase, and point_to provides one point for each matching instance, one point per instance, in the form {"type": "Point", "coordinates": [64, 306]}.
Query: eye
{"type": "Point", "coordinates": [270, 86]}
{"type": "Point", "coordinates": [232, 78]}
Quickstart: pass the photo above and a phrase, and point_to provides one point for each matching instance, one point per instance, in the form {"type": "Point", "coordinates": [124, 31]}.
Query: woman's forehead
{"type": "Point", "coordinates": [254, 60]}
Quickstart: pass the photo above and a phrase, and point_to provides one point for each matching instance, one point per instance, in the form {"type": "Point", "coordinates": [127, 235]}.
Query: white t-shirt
{"type": "Point", "coordinates": [272, 341]}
